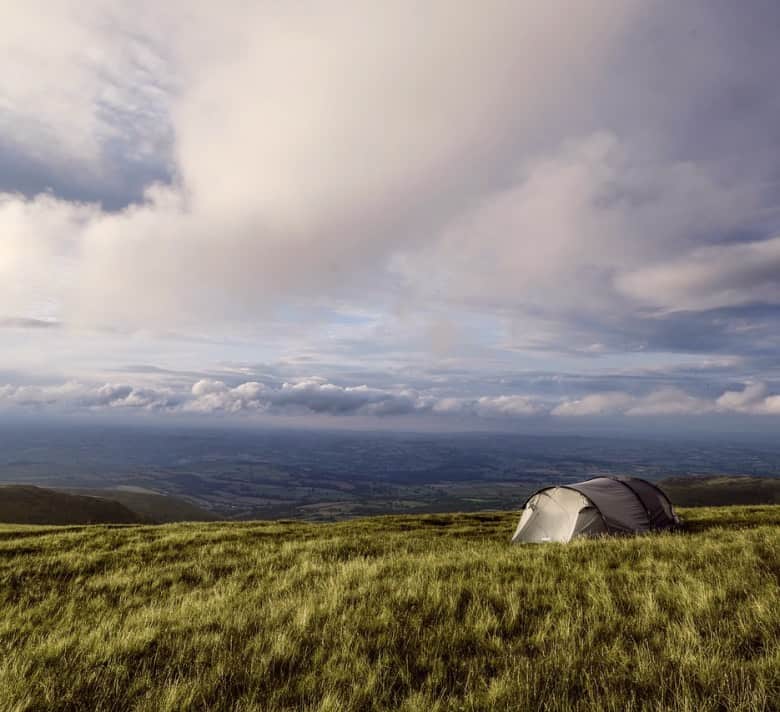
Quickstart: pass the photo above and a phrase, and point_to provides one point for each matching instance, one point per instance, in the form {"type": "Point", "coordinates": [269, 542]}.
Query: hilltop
{"type": "Point", "coordinates": [430, 612]}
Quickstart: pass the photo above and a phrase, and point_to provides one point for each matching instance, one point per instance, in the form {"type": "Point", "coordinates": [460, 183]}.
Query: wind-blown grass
{"type": "Point", "coordinates": [413, 613]}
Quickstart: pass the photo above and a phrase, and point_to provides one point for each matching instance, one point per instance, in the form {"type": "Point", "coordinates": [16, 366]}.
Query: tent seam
{"type": "Point", "coordinates": [638, 499]}
{"type": "Point", "coordinates": [657, 489]}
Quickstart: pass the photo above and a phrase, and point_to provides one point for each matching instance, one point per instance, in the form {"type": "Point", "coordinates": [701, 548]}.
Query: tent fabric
{"type": "Point", "coordinates": [659, 508]}
{"type": "Point", "coordinates": [618, 503]}
{"type": "Point", "coordinates": [601, 505]}
{"type": "Point", "coordinates": [558, 514]}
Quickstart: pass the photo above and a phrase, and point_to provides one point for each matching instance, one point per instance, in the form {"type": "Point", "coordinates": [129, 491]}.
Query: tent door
{"type": "Point", "coordinates": [589, 523]}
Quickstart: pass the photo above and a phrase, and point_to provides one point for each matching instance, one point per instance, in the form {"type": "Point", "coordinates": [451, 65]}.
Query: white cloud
{"type": "Point", "coordinates": [40, 243]}
{"type": "Point", "coordinates": [309, 144]}
{"type": "Point", "coordinates": [595, 404]}
{"type": "Point", "coordinates": [487, 406]}
{"type": "Point", "coordinates": [311, 395]}
{"type": "Point", "coordinates": [752, 394]}
{"type": "Point", "coordinates": [664, 401]}
{"type": "Point", "coordinates": [317, 396]}
{"type": "Point", "coordinates": [476, 186]}
{"type": "Point", "coordinates": [710, 277]}
{"type": "Point", "coordinates": [574, 223]}
{"type": "Point", "coordinates": [498, 406]}
{"type": "Point", "coordinates": [752, 400]}
{"type": "Point", "coordinates": [83, 80]}
{"type": "Point", "coordinates": [670, 401]}
{"type": "Point", "coordinates": [211, 396]}
{"type": "Point", "coordinates": [80, 396]}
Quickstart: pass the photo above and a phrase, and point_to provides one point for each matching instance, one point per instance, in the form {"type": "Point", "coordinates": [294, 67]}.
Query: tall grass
{"type": "Point", "coordinates": [410, 613]}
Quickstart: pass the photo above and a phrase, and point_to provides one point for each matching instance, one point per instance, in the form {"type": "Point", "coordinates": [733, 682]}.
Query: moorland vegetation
{"type": "Point", "coordinates": [430, 612]}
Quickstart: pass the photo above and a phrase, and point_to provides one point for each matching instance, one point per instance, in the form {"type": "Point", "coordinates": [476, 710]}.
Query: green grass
{"type": "Point", "coordinates": [428, 613]}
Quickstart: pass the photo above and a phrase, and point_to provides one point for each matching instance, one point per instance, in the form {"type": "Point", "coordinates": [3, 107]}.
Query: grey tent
{"type": "Point", "coordinates": [603, 505]}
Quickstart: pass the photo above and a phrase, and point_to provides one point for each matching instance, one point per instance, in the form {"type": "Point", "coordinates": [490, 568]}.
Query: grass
{"type": "Point", "coordinates": [429, 613]}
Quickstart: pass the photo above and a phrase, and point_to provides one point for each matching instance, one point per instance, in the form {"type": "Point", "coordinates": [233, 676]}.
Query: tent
{"type": "Point", "coordinates": [602, 505]}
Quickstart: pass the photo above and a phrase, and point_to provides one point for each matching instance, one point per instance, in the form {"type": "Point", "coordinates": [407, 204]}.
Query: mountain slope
{"type": "Point", "coordinates": [26, 504]}
{"type": "Point", "coordinates": [156, 508]}
{"type": "Point", "coordinates": [721, 490]}
{"type": "Point", "coordinates": [409, 613]}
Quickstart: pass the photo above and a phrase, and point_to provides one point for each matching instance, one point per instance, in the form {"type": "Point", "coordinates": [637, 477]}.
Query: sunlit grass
{"type": "Point", "coordinates": [414, 613]}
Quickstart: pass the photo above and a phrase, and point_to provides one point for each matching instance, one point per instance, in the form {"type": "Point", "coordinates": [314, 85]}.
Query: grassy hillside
{"type": "Point", "coordinates": [713, 491]}
{"type": "Point", "coordinates": [25, 504]}
{"type": "Point", "coordinates": [154, 508]}
{"type": "Point", "coordinates": [428, 613]}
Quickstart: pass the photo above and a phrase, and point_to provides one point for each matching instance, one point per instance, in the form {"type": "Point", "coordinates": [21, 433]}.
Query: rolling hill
{"type": "Point", "coordinates": [152, 507]}
{"type": "Point", "coordinates": [713, 491]}
{"type": "Point", "coordinates": [28, 504]}
{"type": "Point", "coordinates": [430, 612]}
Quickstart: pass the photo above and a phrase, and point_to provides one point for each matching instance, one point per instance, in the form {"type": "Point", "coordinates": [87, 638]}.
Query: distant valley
{"type": "Point", "coordinates": [168, 475]}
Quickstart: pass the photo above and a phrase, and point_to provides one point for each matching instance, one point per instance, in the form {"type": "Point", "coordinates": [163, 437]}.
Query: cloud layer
{"type": "Point", "coordinates": [482, 189]}
{"type": "Point", "coordinates": [306, 144]}
{"type": "Point", "coordinates": [316, 396]}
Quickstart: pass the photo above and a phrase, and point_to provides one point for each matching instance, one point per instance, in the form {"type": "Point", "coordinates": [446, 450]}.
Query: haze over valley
{"type": "Point", "coordinates": [322, 475]}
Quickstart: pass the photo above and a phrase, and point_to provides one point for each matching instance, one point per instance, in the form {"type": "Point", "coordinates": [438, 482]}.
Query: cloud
{"type": "Point", "coordinates": [664, 401]}
{"type": "Point", "coordinates": [288, 182]}
{"type": "Point", "coordinates": [481, 190]}
{"type": "Point", "coordinates": [710, 277]}
{"type": "Point", "coordinates": [309, 396]}
{"type": "Point", "coordinates": [752, 400]}
{"type": "Point", "coordinates": [595, 404]}
{"type": "Point", "coordinates": [79, 396]}
{"type": "Point", "coordinates": [318, 397]}
{"type": "Point", "coordinates": [84, 99]}
{"type": "Point", "coordinates": [670, 401]}
{"type": "Point", "coordinates": [312, 395]}
{"type": "Point", "coordinates": [492, 407]}
{"type": "Point", "coordinates": [498, 406]}
{"type": "Point", "coordinates": [560, 247]}
{"type": "Point", "coordinates": [28, 323]}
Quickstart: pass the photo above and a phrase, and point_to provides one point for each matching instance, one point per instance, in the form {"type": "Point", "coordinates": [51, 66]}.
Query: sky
{"type": "Point", "coordinates": [502, 214]}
